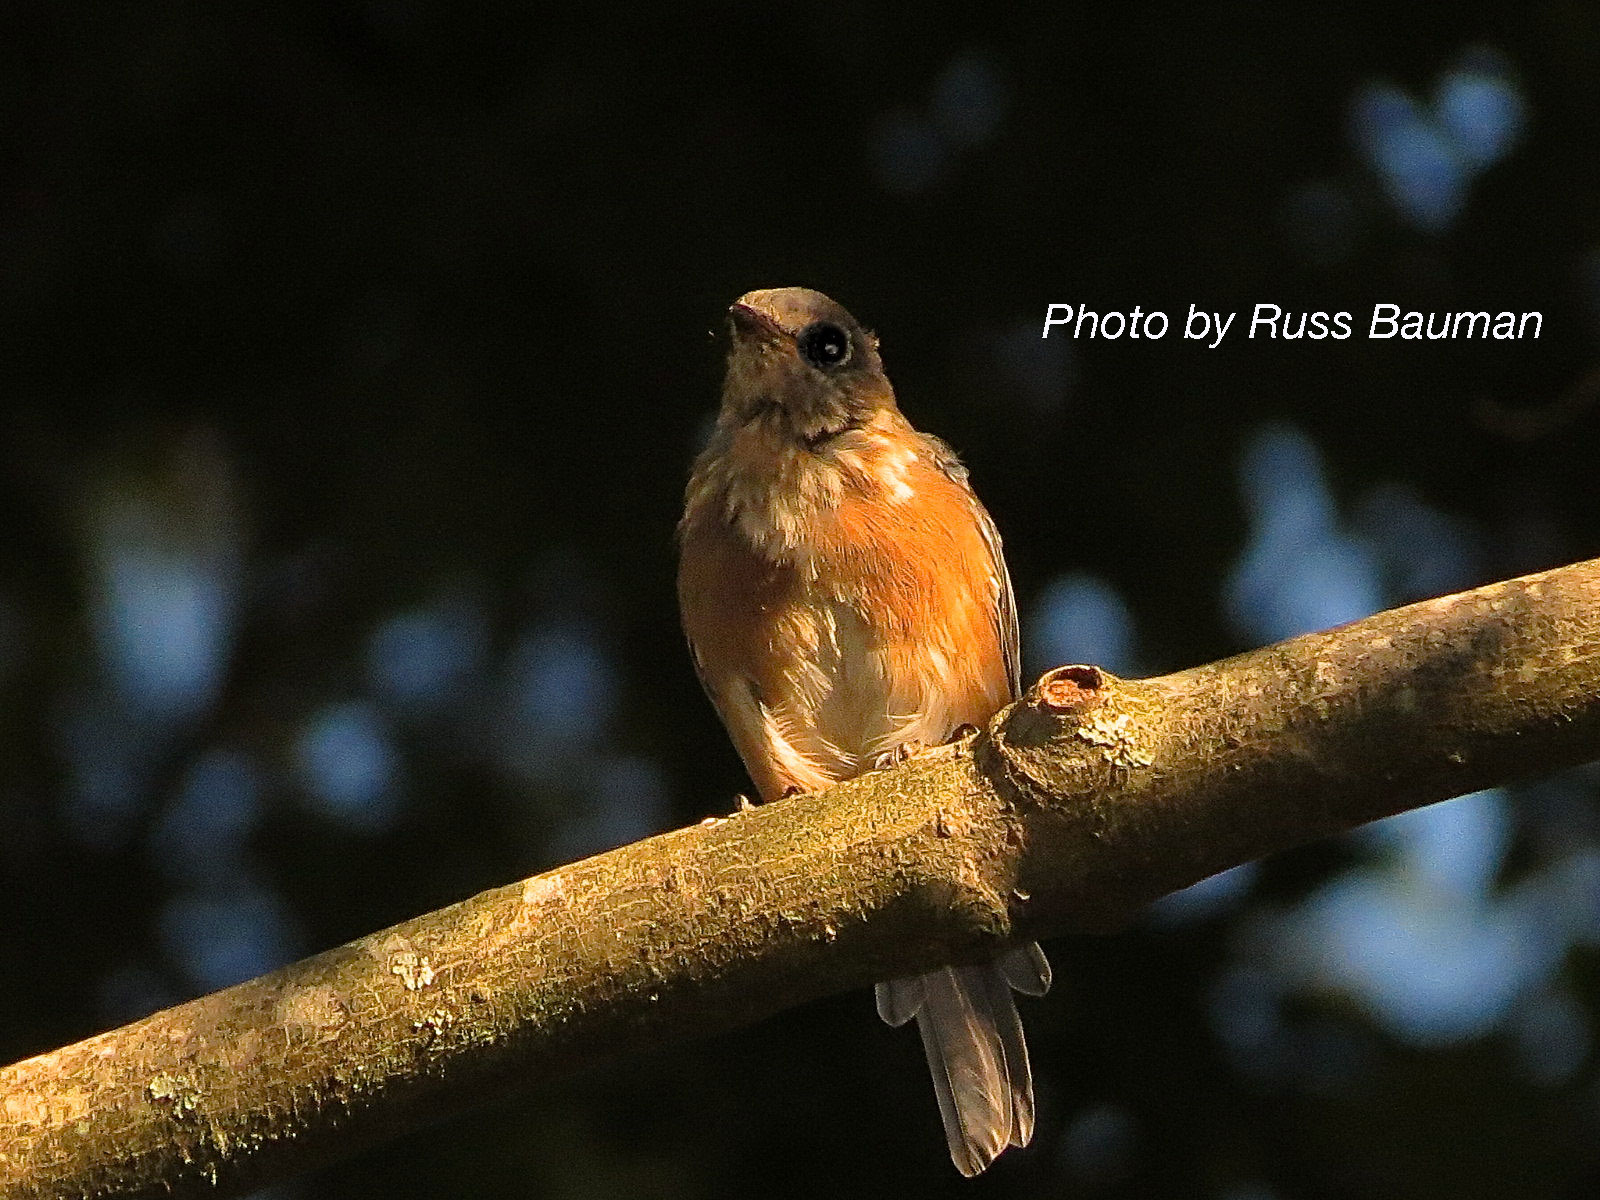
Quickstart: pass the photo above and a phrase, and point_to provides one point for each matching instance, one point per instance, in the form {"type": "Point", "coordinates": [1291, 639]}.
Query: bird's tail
{"type": "Point", "coordinates": [976, 1054]}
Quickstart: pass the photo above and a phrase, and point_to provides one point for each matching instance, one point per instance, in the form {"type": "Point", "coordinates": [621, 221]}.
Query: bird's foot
{"type": "Point", "coordinates": [895, 755]}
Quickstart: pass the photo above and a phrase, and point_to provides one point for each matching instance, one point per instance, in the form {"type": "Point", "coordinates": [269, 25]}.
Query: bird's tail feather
{"type": "Point", "coordinates": [972, 1036]}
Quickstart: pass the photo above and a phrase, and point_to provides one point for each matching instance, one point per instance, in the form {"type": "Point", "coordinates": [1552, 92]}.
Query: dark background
{"type": "Point", "coordinates": [353, 356]}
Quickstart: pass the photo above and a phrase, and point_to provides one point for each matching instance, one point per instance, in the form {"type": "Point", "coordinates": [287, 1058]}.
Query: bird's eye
{"type": "Point", "coordinates": [824, 345]}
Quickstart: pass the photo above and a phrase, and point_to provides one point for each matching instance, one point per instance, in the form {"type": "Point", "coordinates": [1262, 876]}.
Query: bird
{"type": "Point", "coordinates": [846, 604]}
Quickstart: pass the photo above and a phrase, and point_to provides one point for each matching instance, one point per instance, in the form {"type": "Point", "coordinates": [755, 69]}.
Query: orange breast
{"type": "Point", "coordinates": [926, 569]}
{"type": "Point", "coordinates": [883, 628]}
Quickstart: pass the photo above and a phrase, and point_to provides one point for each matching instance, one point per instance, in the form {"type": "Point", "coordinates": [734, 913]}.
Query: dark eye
{"type": "Point", "coordinates": [824, 345]}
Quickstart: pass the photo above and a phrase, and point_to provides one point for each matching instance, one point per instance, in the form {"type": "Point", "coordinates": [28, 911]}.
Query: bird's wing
{"type": "Point", "coordinates": [1005, 600]}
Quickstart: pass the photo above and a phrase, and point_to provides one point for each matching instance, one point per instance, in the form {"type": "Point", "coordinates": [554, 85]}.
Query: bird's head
{"type": "Point", "coordinates": [799, 361]}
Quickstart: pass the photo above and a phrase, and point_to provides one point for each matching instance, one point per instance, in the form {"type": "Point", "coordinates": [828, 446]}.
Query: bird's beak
{"type": "Point", "coordinates": [752, 322]}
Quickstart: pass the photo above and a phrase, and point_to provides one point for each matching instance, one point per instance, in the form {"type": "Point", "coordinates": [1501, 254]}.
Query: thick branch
{"type": "Point", "coordinates": [1083, 801]}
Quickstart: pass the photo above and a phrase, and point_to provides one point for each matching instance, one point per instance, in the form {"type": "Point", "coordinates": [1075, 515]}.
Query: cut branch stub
{"type": "Point", "coordinates": [1071, 688]}
{"type": "Point", "coordinates": [1073, 731]}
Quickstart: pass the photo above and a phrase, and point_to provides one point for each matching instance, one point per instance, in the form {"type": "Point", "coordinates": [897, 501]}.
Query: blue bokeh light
{"type": "Point", "coordinates": [970, 98]}
{"type": "Point", "coordinates": [558, 690]}
{"type": "Point", "coordinates": [166, 633]}
{"type": "Point", "coordinates": [421, 660]}
{"type": "Point", "coordinates": [1428, 967]}
{"type": "Point", "coordinates": [1454, 849]}
{"type": "Point", "coordinates": [1426, 156]}
{"type": "Point", "coordinates": [1422, 936]}
{"type": "Point", "coordinates": [1481, 108]}
{"type": "Point", "coordinates": [1568, 888]}
{"type": "Point", "coordinates": [1213, 896]}
{"type": "Point", "coordinates": [1079, 618]}
{"type": "Point", "coordinates": [163, 555]}
{"type": "Point", "coordinates": [1300, 571]}
{"type": "Point", "coordinates": [1414, 159]}
{"type": "Point", "coordinates": [202, 837]}
{"type": "Point", "coordinates": [351, 766]}
{"type": "Point", "coordinates": [1424, 551]}
{"type": "Point", "coordinates": [223, 938]}
{"type": "Point", "coordinates": [165, 589]}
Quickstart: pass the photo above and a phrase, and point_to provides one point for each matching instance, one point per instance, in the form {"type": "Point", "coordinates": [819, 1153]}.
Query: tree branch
{"type": "Point", "coordinates": [1080, 803]}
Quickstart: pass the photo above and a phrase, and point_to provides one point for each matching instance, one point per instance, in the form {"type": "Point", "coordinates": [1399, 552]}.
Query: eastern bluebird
{"type": "Point", "coordinates": [845, 602]}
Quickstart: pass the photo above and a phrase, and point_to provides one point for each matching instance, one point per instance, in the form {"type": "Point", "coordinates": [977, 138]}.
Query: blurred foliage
{"type": "Point", "coordinates": [354, 355]}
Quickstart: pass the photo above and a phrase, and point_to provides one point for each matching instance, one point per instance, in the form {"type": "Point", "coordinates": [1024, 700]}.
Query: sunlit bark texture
{"type": "Point", "coordinates": [1083, 801]}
